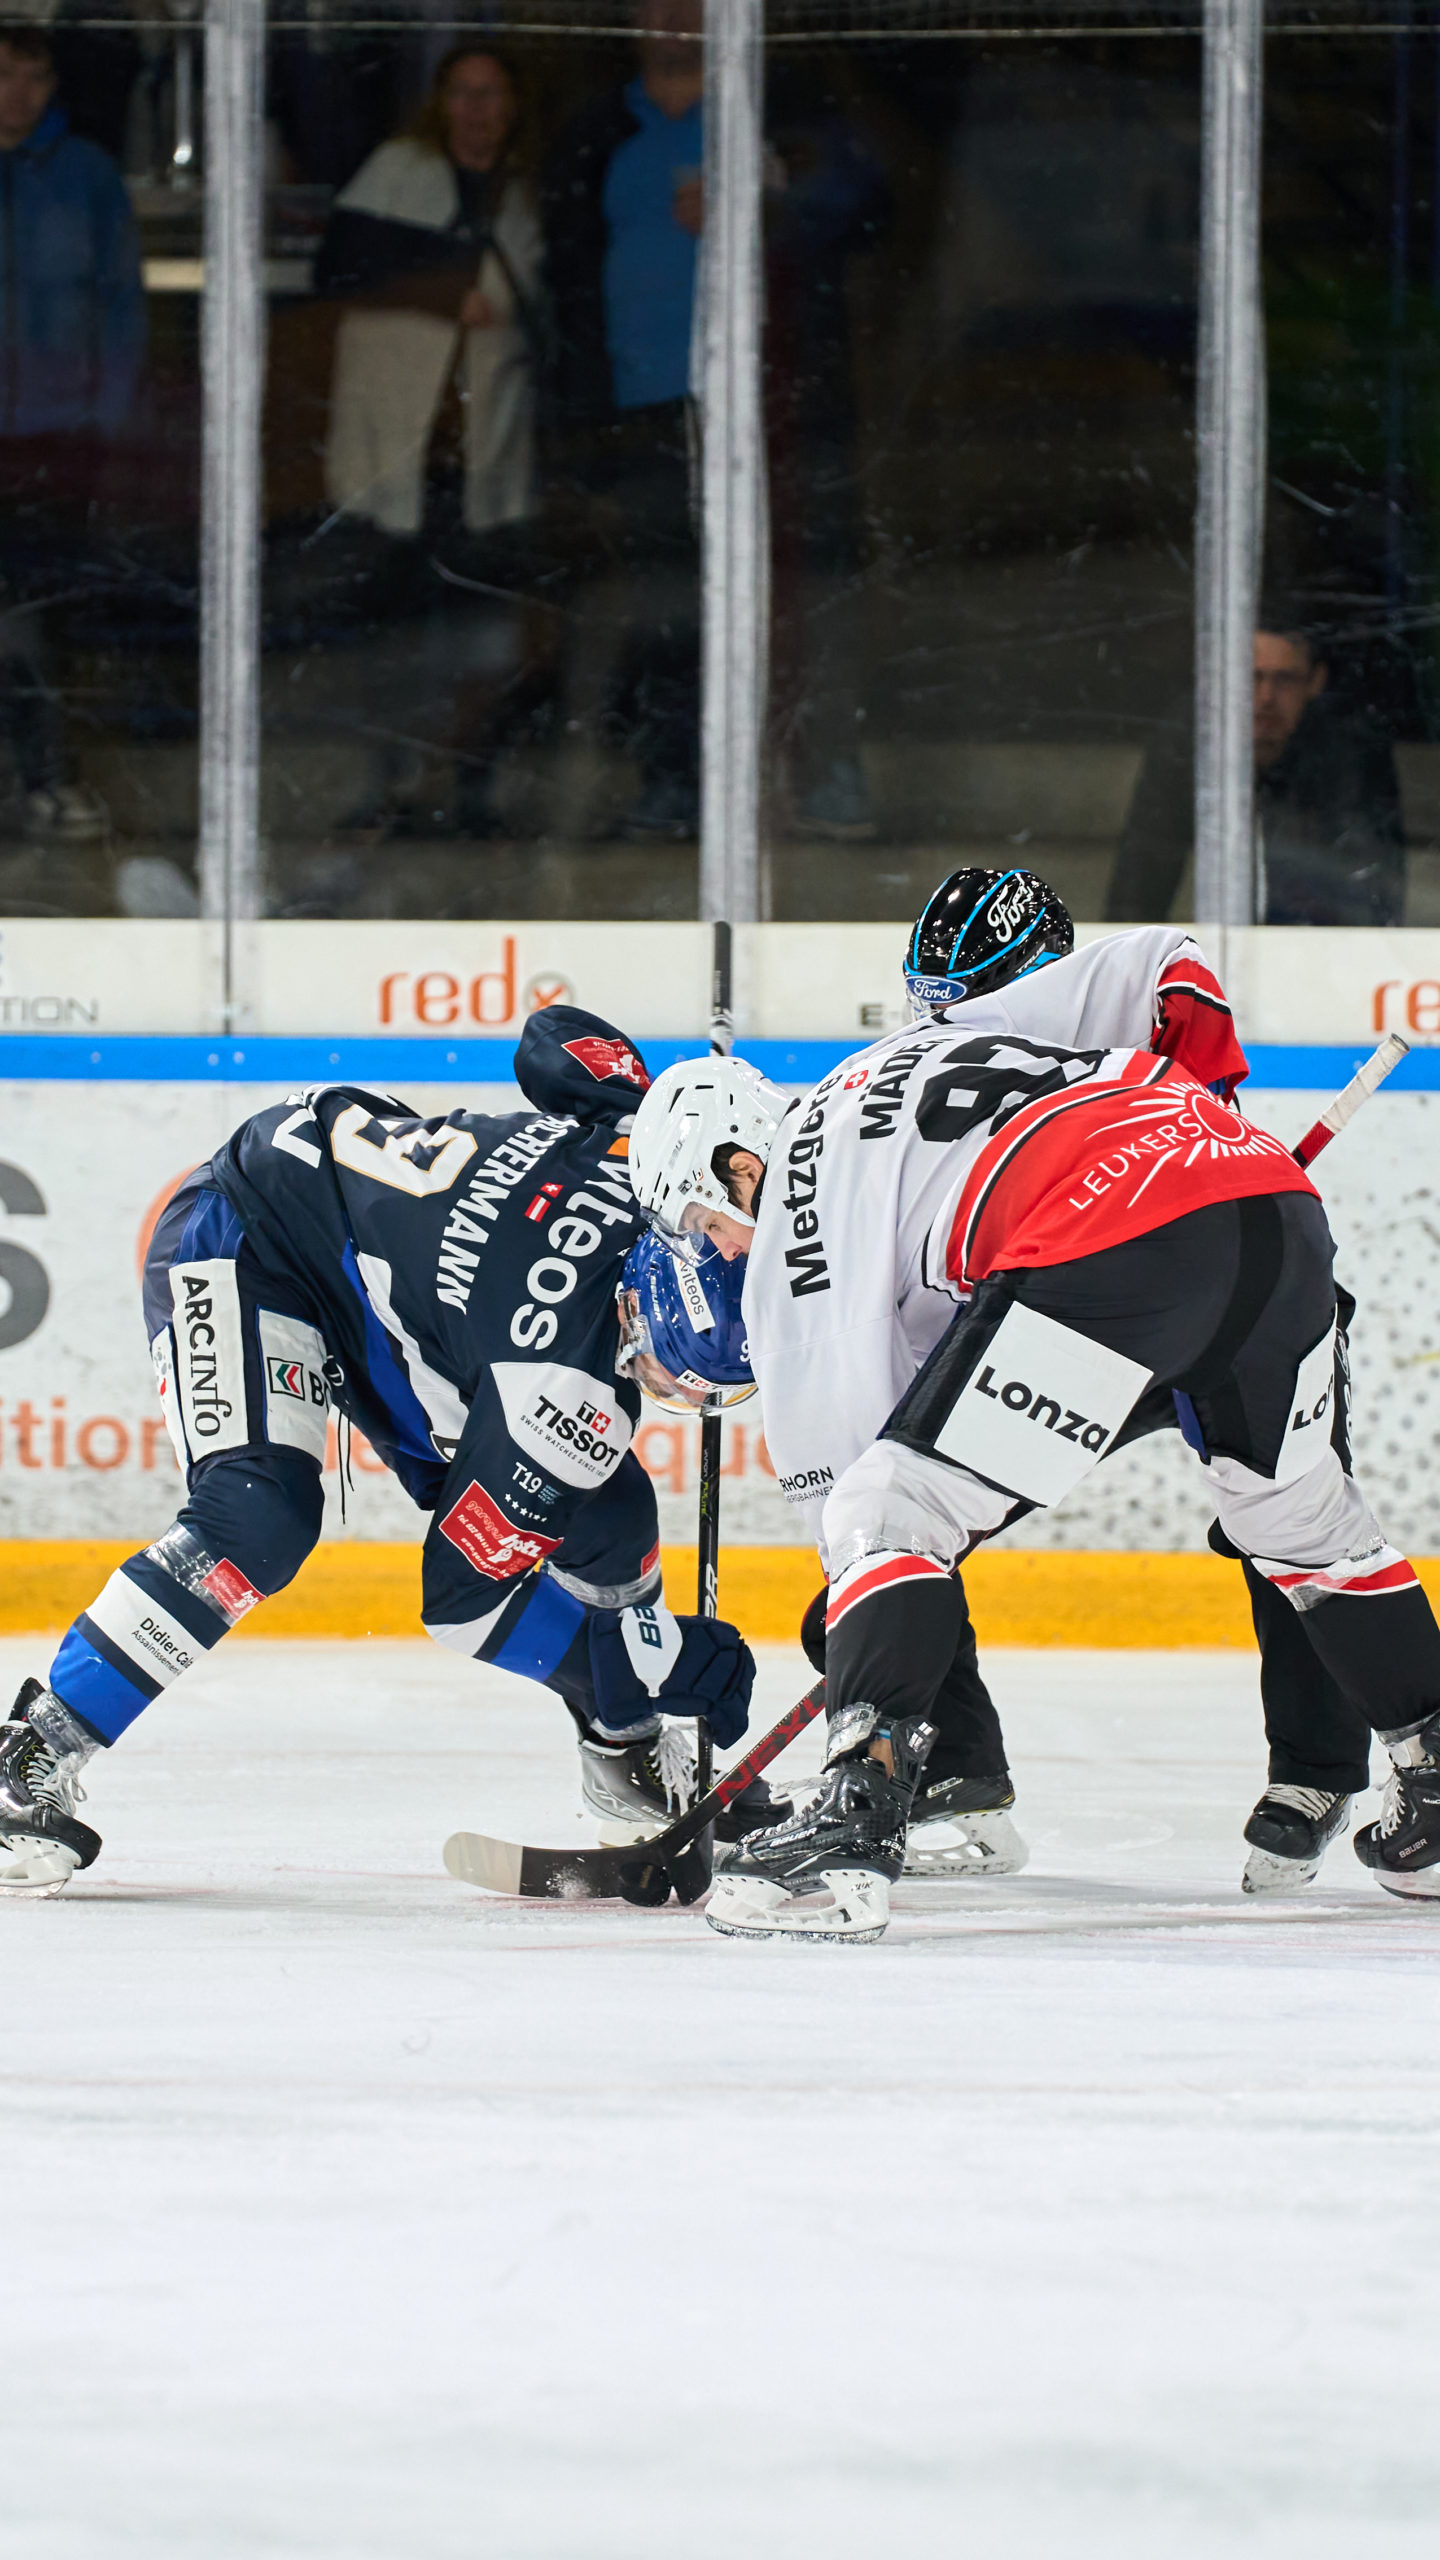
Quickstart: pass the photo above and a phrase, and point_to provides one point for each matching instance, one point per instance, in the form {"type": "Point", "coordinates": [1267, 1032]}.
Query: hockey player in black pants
{"type": "Point", "coordinates": [993, 953]}
{"type": "Point", "coordinates": [449, 1286]}
{"type": "Point", "coordinates": [1107, 1227]}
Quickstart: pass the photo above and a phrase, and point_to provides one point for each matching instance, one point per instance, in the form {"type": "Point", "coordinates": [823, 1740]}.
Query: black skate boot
{"type": "Point", "coordinates": [640, 1786]}
{"type": "Point", "coordinates": [43, 1749]}
{"type": "Point", "coordinates": [1403, 1847]}
{"type": "Point", "coordinates": [1289, 1832]}
{"type": "Point", "coordinates": [827, 1872]}
{"type": "Point", "coordinates": [962, 1827]}
{"type": "Point", "coordinates": [754, 1810]}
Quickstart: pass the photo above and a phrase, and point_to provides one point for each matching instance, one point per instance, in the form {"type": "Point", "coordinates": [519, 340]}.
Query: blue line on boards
{"type": "Point", "coordinates": [41, 1057]}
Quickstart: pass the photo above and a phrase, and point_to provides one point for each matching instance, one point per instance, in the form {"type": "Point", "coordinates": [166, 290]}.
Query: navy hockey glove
{"type": "Point", "coordinates": [644, 1661]}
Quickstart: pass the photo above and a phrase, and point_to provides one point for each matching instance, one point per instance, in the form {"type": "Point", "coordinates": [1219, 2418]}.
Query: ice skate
{"type": "Point", "coordinates": [42, 1751]}
{"type": "Point", "coordinates": [962, 1827]}
{"type": "Point", "coordinates": [827, 1872]}
{"type": "Point", "coordinates": [754, 1810]}
{"type": "Point", "coordinates": [638, 1788]}
{"type": "Point", "coordinates": [1289, 1833]}
{"type": "Point", "coordinates": [1403, 1847]}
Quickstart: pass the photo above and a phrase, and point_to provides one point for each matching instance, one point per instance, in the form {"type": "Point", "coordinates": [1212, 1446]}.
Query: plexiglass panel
{"type": "Point", "coordinates": [481, 669]}
{"type": "Point", "coordinates": [980, 368]}
{"type": "Point", "coordinates": [100, 213]}
{"type": "Point", "coordinates": [1347, 768]}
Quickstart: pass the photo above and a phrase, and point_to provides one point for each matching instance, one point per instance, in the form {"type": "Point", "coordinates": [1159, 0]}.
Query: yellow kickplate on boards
{"type": "Point", "coordinates": [358, 1587]}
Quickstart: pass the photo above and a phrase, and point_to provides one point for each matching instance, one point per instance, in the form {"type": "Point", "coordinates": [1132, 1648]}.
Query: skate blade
{"type": "Point", "coordinates": [1423, 1885]}
{"type": "Point", "coordinates": [36, 1869]}
{"type": "Point", "coordinates": [852, 1905]}
{"type": "Point", "coordinates": [967, 1844]}
{"type": "Point", "coordinates": [1265, 1873]}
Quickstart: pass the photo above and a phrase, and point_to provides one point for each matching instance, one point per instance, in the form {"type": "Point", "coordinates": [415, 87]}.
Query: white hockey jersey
{"type": "Point", "coordinates": [853, 1276]}
{"type": "Point", "coordinates": [1150, 988]}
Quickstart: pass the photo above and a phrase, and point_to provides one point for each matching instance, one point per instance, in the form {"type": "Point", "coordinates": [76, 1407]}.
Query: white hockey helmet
{"type": "Point", "coordinates": [690, 1110]}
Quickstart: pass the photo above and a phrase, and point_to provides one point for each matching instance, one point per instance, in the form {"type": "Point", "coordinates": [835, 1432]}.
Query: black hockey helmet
{"type": "Point", "coordinates": [979, 930]}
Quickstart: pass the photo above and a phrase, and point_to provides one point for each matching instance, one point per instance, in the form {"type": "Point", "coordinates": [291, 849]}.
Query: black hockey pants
{"type": "Point", "coordinates": [1233, 1307]}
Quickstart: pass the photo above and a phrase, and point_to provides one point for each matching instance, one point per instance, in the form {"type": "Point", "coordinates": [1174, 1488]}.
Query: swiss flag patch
{"type": "Point", "coordinates": [604, 1058]}
{"type": "Point", "coordinates": [489, 1541]}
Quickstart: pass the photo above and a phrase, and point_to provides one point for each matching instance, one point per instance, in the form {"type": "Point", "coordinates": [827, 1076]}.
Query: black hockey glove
{"type": "Point", "coordinates": [645, 1658]}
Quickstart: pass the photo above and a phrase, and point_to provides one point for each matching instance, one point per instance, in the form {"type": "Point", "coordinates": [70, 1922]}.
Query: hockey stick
{"type": "Point", "coordinates": [698, 1871]}
{"type": "Point", "coordinates": [1348, 1101]}
{"type": "Point", "coordinates": [680, 1859]}
{"type": "Point", "coordinates": [639, 1873]}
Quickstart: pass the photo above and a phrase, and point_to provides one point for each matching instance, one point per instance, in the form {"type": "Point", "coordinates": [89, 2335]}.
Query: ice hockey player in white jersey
{"type": "Point", "coordinates": [1045, 1235]}
{"type": "Point", "coordinates": [993, 952]}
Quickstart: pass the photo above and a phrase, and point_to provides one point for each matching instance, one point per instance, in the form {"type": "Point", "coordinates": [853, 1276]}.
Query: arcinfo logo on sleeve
{"type": "Point", "coordinates": [1041, 1407]}
{"type": "Point", "coordinates": [209, 1357]}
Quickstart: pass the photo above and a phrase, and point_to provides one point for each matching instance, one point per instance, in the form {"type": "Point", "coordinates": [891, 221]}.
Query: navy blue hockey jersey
{"type": "Point", "coordinates": [462, 1272]}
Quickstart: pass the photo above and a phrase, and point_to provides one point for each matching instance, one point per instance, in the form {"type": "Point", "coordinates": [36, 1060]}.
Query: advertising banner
{"type": "Point", "coordinates": [445, 983]}
{"type": "Point", "coordinates": [85, 1169]}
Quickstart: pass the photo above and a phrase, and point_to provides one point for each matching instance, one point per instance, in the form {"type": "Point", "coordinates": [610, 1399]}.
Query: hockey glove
{"type": "Point", "coordinates": [644, 1660]}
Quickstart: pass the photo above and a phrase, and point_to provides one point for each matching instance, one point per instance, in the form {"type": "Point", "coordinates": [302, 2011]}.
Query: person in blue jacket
{"type": "Point", "coordinates": [72, 347]}
{"type": "Point", "coordinates": [450, 1287]}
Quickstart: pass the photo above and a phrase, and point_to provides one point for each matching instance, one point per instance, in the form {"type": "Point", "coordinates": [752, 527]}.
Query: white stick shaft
{"type": "Point", "coordinates": [1348, 1101]}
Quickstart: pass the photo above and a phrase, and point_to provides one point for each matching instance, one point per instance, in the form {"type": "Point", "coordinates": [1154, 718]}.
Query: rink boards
{"type": "Point", "coordinates": [85, 1166]}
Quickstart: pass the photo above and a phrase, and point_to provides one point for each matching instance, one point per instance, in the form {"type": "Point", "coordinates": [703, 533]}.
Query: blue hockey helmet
{"type": "Point", "coordinates": [979, 931]}
{"type": "Point", "coordinates": [682, 1333]}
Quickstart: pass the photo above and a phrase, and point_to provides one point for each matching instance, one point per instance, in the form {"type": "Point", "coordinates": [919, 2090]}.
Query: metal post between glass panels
{"type": "Point", "coordinates": [233, 356]}
{"type": "Point", "coordinates": [1230, 434]}
{"type": "Point", "coordinates": [735, 528]}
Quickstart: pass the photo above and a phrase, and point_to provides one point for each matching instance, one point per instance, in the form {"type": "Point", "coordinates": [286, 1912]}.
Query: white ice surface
{"type": "Point", "coordinates": [349, 2212]}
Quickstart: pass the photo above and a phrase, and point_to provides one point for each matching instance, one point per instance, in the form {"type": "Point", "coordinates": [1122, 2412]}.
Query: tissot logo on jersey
{"type": "Point", "coordinates": [557, 1414]}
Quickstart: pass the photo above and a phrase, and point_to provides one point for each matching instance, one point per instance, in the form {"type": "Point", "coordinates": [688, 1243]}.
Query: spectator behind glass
{"type": "Point", "coordinates": [435, 248]}
{"type": "Point", "coordinates": [74, 330]}
{"type": "Point", "coordinates": [623, 212]}
{"type": "Point", "coordinates": [435, 244]}
{"type": "Point", "coordinates": [1330, 848]}
{"type": "Point", "coordinates": [623, 203]}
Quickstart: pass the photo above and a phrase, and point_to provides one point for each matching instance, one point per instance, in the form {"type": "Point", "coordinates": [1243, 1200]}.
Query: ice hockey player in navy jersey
{"type": "Point", "coordinates": [449, 1286]}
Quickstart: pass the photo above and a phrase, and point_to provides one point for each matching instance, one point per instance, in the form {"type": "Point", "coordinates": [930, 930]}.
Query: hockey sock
{"type": "Point", "coordinates": [162, 1611]}
{"type": "Point", "coordinates": [891, 1632]}
{"type": "Point", "coordinates": [1374, 1630]}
